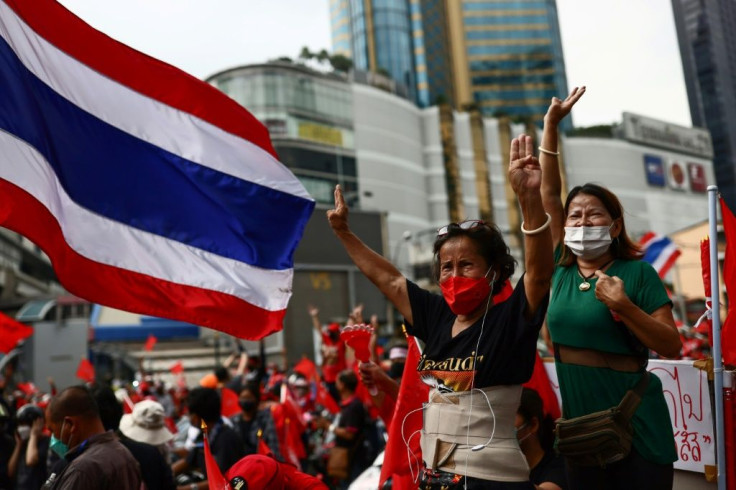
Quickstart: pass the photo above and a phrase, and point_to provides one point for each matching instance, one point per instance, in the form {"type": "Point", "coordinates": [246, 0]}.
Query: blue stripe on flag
{"type": "Point", "coordinates": [134, 182]}
{"type": "Point", "coordinates": [655, 248]}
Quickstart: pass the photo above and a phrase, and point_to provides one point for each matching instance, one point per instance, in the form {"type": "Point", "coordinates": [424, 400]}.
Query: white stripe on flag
{"type": "Point", "coordinates": [145, 118]}
{"type": "Point", "coordinates": [664, 256]}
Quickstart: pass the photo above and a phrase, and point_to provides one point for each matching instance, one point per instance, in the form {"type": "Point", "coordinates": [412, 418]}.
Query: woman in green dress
{"type": "Point", "coordinates": [607, 310]}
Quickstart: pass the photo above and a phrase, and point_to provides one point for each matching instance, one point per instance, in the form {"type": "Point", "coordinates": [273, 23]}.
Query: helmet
{"type": "Point", "coordinates": [28, 413]}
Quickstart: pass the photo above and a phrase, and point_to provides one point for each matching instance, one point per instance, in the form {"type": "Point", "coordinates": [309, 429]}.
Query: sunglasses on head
{"type": "Point", "coordinates": [468, 224]}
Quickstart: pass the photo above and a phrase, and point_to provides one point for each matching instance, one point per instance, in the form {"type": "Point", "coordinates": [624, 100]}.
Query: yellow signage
{"type": "Point", "coordinates": [320, 133]}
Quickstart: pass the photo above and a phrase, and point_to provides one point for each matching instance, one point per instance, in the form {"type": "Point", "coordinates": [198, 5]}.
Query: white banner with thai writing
{"type": "Point", "coordinates": [686, 392]}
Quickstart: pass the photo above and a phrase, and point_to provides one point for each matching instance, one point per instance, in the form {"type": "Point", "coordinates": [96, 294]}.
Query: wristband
{"type": "Point", "coordinates": [538, 230]}
{"type": "Point", "coordinates": [548, 152]}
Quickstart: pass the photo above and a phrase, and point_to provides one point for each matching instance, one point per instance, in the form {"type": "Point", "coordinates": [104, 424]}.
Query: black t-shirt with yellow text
{"type": "Point", "coordinates": [507, 349]}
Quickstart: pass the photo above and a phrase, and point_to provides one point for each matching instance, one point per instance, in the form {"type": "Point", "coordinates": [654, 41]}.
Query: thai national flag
{"type": "Point", "coordinates": [659, 251]}
{"type": "Point", "coordinates": [150, 190]}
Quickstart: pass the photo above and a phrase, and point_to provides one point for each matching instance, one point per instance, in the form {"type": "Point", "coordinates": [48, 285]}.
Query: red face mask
{"type": "Point", "coordinates": [464, 294]}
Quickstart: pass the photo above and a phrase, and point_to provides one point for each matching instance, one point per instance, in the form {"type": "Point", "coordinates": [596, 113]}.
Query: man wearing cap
{"type": "Point", "coordinates": [333, 351]}
{"type": "Point", "coordinates": [154, 464]}
{"type": "Point", "coordinates": [96, 459]}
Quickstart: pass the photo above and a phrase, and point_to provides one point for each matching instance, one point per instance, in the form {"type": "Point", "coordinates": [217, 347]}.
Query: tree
{"type": "Point", "coordinates": [306, 54]}
{"type": "Point", "coordinates": [341, 62]}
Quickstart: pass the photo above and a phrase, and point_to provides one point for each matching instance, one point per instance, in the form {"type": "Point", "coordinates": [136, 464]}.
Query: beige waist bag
{"type": "Point", "coordinates": [452, 429]}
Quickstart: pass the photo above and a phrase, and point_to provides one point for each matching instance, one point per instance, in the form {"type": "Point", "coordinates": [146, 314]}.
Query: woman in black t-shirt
{"type": "Point", "coordinates": [478, 349]}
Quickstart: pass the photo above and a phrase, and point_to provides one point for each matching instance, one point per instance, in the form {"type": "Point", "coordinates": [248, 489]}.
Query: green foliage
{"type": "Point", "coordinates": [306, 54]}
{"type": "Point", "coordinates": [600, 131]}
{"type": "Point", "coordinates": [341, 62]}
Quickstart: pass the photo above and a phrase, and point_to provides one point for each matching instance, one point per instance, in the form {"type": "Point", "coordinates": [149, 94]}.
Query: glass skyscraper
{"type": "Point", "coordinates": [508, 56]}
{"type": "Point", "coordinates": [377, 35]}
{"type": "Point", "coordinates": [503, 56]}
{"type": "Point", "coordinates": [706, 33]}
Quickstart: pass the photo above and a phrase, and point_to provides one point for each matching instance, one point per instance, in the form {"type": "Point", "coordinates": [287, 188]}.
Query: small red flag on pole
{"type": "Point", "coordinates": [86, 371]}
{"type": "Point", "coordinates": [704, 325]}
{"type": "Point", "coordinates": [12, 332]}
{"type": "Point", "coordinates": [150, 342]}
{"type": "Point", "coordinates": [177, 368]}
{"type": "Point", "coordinates": [214, 474]}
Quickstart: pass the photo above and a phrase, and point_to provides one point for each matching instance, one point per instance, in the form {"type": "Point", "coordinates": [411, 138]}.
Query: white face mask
{"type": "Point", "coordinates": [588, 242]}
{"type": "Point", "coordinates": [24, 432]}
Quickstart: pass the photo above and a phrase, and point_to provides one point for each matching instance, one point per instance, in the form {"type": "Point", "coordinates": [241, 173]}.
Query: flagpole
{"type": "Point", "coordinates": [717, 361]}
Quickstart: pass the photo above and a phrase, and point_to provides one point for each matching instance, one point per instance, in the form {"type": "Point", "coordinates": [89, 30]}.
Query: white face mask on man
{"type": "Point", "coordinates": [588, 242]}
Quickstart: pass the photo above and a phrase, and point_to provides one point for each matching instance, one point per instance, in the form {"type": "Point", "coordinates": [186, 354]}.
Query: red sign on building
{"type": "Point", "coordinates": [698, 182]}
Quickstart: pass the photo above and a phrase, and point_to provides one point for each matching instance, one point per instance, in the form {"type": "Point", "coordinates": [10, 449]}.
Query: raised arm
{"type": "Point", "coordinates": [548, 159]}
{"type": "Point", "coordinates": [525, 176]}
{"type": "Point", "coordinates": [375, 267]}
{"type": "Point", "coordinates": [314, 315]}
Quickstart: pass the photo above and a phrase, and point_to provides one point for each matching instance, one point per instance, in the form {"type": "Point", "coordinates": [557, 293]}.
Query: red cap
{"type": "Point", "coordinates": [258, 471]}
{"type": "Point", "coordinates": [333, 327]}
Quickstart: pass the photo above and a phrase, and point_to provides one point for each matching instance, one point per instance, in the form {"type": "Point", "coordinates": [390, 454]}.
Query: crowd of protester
{"type": "Point", "coordinates": [313, 425]}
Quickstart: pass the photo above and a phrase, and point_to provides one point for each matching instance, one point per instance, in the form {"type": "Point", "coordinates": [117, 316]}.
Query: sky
{"type": "Point", "coordinates": [625, 53]}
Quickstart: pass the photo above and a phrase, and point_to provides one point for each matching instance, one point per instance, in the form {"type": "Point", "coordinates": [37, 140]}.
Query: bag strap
{"type": "Point", "coordinates": [633, 397]}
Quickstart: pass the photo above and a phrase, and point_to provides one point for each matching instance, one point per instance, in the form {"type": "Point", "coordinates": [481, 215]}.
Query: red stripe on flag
{"type": "Point", "coordinates": [646, 238]}
{"type": "Point", "coordinates": [142, 73]}
{"type": "Point", "coordinates": [667, 265]}
{"type": "Point", "coordinates": [128, 290]}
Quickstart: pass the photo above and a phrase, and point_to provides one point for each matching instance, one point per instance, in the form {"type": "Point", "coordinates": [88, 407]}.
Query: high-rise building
{"type": "Point", "coordinates": [706, 32]}
{"type": "Point", "coordinates": [505, 58]}
{"type": "Point", "coordinates": [377, 36]}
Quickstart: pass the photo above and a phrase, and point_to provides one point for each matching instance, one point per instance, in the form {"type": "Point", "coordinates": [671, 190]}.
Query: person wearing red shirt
{"type": "Point", "coordinates": [333, 351]}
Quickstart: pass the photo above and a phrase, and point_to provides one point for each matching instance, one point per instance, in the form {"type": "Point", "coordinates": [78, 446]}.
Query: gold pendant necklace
{"type": "Point", "coordinates": [585, 285]}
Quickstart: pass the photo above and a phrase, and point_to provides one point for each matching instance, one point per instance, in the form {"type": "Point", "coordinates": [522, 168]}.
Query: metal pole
{"type": "Point", "coordinates": [717, 361]}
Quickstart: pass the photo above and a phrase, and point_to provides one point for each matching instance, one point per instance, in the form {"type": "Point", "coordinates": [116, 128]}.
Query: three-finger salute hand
{"type": "Point", "coordinates": [525, 172]}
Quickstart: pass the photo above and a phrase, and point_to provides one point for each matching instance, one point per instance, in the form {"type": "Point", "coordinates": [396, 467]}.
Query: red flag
{"type": "Point", "coordinates": [728, 332]}
{"type": "Point", "coordinates": [406, 424]}
{"type": "Point", "coordinates": [86, 371]}
{"type": "Point", "coordinates": [322, 396]}
{"type": "Point", "coordinates": [230, 403]}
{"type": "Point", "coordinates": [293, 410]}
{"type": "Point", "coordinates": [541, 384]}
{"type": "Point", "coordinates": [214, 474]}
{"type": "Point", "coordinates": [306, 367]}
{"type": "Point", "coordinates": [177, 368]}
{"type": "Point", "coordinates": [705, 324]}
{"type": "Point", "coordinates": [288, 433]}
{"type": "Point", "coordinates": [262, 446]}
{"type": "Point", "coordinates": [12, 332]}
{"type": "Point", "coordinates": [150, 342]}
{"type": "Point", "coordinates": [294, 449]}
